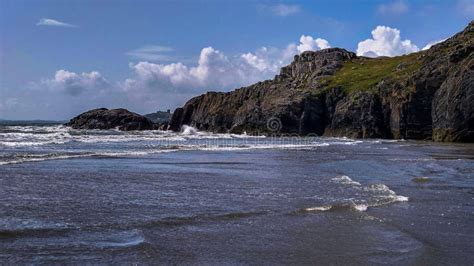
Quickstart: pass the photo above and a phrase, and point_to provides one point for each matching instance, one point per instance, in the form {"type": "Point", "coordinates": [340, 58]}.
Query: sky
{"type": "Point", "coordinates": [60, 58]}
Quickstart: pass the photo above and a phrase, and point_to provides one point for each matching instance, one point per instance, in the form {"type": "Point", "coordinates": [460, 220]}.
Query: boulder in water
{"type": "Point", "coordinates": [104, 118]}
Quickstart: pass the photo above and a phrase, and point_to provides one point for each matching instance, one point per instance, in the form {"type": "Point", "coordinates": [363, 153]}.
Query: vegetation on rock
{"type": "Point", "coordinates": [363, 74]}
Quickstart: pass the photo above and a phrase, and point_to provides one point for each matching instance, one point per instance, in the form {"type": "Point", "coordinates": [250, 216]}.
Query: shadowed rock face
{"type": "Point", "coordinates": [332, 92]}
{"type": "Point", "coordinates": [106, 119]}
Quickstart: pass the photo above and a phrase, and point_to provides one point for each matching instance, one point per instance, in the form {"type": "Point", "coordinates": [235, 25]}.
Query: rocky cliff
{"type": "Point", "coordinates": [333, 92]}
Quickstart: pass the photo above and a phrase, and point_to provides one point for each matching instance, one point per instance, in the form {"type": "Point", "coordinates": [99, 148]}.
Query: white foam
{"type": "Point", "coordinates": [122, 239]}
{"type": "Point", "coordinates": [17, 224]}
{"type": "Point", "coordinates": [398, 198]}
{"type": "Point", "coordinates": [318, 208]}
{"type": "Point", "coordinates": [379, 188]}
{"type": "Point", "coordinates": [355, 142]}
{"type": "Point", "coordinates": [188, 130]}
{"type": "Point", "coordinates": [386, 192]}
{"type": "Point", "coordinates": [47, 157]}
{"type": "Point", "coordinates": [23, 136]}
{"type": "Point", "coordinates": [360, 207]}
{"type": "Point", "coordinates": [253, 147]}
{"type": "Point", "coordinates": [383, 195]}
{"type": "Point", "coordinates": [343, 179]}
{"type": "Point", "coordinates": [30, 143]}
{"type": "Point", "coordinates": [160, 147]}
{"type": "Point", "coordinates": [363, 197]}
{"type": "Point", "coordinates": [245, 136]}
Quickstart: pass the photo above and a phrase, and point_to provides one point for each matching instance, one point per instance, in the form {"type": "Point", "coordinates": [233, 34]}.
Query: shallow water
{"type": "Point", "coordinates": [76, 196]}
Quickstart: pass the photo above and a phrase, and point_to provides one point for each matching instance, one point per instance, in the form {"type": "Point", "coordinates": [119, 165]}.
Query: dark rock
{"type": "Point", "coordinates": [358, 116]}
{"type": "Point", "coordinates": [453, 107]}
{"type": "Point", "coordinates": [103, 118]}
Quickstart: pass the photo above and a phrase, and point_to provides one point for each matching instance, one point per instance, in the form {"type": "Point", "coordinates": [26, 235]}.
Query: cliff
{"type": "Point", "coordinates": [333, 92]}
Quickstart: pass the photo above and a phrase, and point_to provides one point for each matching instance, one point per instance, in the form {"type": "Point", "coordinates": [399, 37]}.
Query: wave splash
{"type": "Point", "coordinates": [358, 197]}
{"type": "Point", "coordinates": [21, 144]}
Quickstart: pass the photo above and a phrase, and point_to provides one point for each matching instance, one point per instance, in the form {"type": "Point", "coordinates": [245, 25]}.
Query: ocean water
{"type": "Point", "coordinates": [91, 196]}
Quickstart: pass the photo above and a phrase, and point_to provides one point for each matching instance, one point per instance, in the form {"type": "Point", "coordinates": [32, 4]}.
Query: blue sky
{"type": "Point", "coordinates": [59, 58]}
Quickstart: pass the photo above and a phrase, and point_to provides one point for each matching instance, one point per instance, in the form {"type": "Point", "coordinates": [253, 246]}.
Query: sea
{"type": "Point", "coordinates": [159, 197]}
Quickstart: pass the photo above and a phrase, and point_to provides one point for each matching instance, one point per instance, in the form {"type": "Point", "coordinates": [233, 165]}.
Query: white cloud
{"type": "Point", "coordinates": [385, 41]}
{"type": "Point", "coordinates": [217, 71]}
{"type": "Point", "coordinates": [154, 53]}
{"type": "Point", "coordinates": [283, 10]}
{"type": "Point", "coordinates": [428, 45]}
{"type": "Point", "coordinates": [53, 22]}
{"type": "Point", "coordinates": [310, 44]}
{"type": "Point", "coordinates": [74, 84]}
{"type": "Point", "coordinates": [213, 70]}
{"type": "Point", "coordinates": [394, 8]}
{"type": "Point", "coordinates": [255, 61]}
{"type": "Point", "coordinates": [266, 61]}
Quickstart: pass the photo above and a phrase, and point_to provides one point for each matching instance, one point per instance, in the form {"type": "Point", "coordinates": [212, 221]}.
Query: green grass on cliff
{"type": "Point", "coordinates": [363, 74]}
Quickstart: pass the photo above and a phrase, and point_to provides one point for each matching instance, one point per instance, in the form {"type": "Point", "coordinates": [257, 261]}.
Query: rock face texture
{"type": "Point", "coordinates": [427, 95]}
{"type": "Point", "coordinates": [103, 118]}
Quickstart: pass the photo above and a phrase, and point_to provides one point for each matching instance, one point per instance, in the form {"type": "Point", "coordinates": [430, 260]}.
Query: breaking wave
{"type": "Point", "coordinates": [357, 197]}
{"type": "Point", "coordinates": [345, 180]}
{"type": "Point", "coordinates": [21, 144]}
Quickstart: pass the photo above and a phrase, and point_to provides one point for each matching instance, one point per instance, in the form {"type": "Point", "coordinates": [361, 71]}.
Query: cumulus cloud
{"type": "Point", "coordinates": [428, 45]}
{"type": "Point", "coordinates": [74, 84]}
{"type": "Point", "coordinates": [283, 10]}
{"type": "Point", "coordinates": [54, 23]}
{"type": "Point", "coordinates": [266, 61]}
{"type": "Point", "coordinates": [310, 44]}
{"type": "Point", "coordinates": [394, 8]}
{"type": "Point", "coordinates": [215, 70]}
{"type": "Point", "coordinates": [385, 41]}
{"type": "Point", "coordinates": [255, 61]}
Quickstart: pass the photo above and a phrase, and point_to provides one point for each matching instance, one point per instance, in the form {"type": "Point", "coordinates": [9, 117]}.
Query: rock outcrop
{"type": "Point", "coordinates": [332, 92]}
{"type": "Point", "coordinates": [103, 118]}
{"type": "Point", "coordinates": [285, 98]}
{"type": "Point", "coordinates": [159, 117]}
